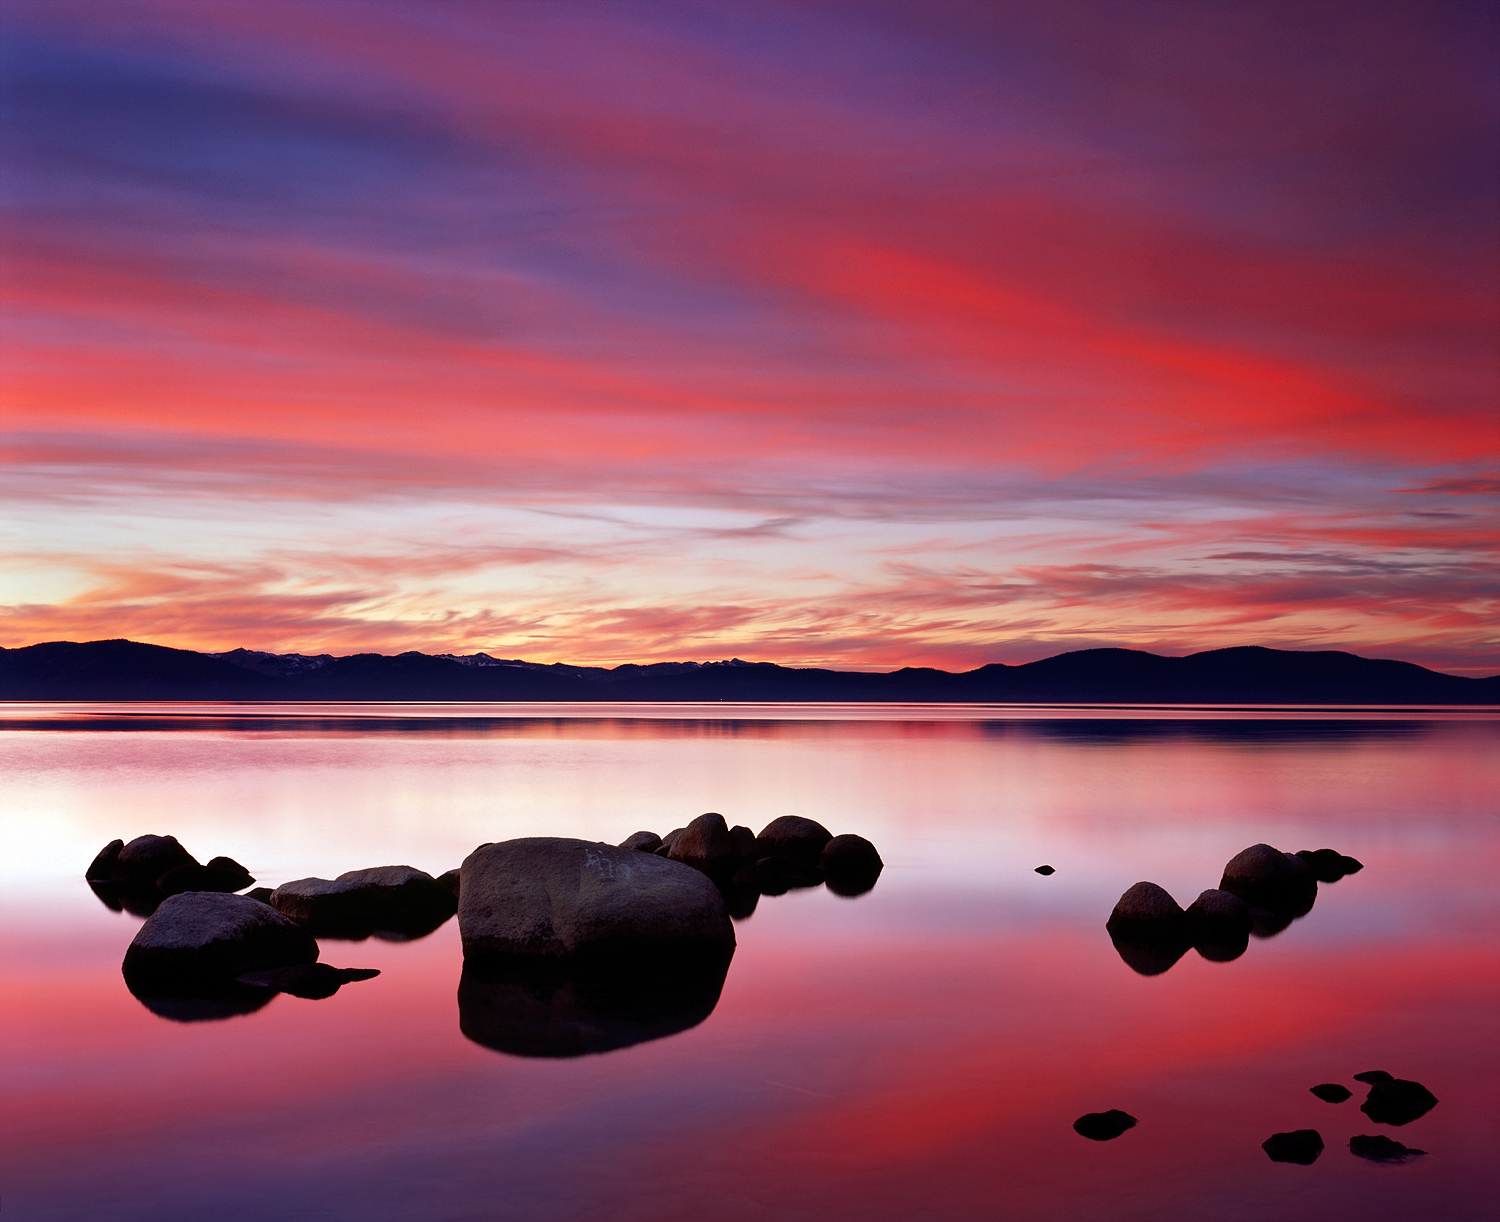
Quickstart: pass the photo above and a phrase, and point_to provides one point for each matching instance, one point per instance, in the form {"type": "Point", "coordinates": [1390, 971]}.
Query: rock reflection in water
{"type": "Point", "coordinates": [201, 1003]}
{"type": "Point", "coordinates": [557, 1010]}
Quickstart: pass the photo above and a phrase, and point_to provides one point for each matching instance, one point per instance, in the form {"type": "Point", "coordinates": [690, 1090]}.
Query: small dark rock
{"type": "Point", "coordinates": [313, 981]}
{"type": "Point", "coordinates": [147, 858]}
{"type": "Point", "coordinates": [1045, 870]}
{"type": "Point", "coordinates": [1397, 1101]}
{"type": "Point", "coordinates": [1374, 1075]}
{"type": "Point", "coordinates": [263, 894]}
{"type": "Point", "coordinates": [664, 849]}
{"type": "Point", "coordinates": [793, 836]}
{"type": "Point", "coordinates": [1331, 1092]}
{"type": "Point", "coordinates": [448, 880]}
{"type": "Point", "coordinates": [1381, 1149]}
{"type": "Point", "coordinates": [102, 868]}
{"type": "Point", "coordinates": [1299, 1146]}
{"type": "Point", "coordinates": [202, 937]}
{"type": "Point", "coordinates": [705, 844]}
{"type": "Point", "coordinates": [1327, 864]}
{"type": "Point", "coordinates": [777, 875]}
{"type": "Point", "coordinates": [1103, 1126]}
{"type": "Point", "coordinates": [851, 864]}
{"type": "Point", "coordinates": [645, 842]}
{"type": "Point", "coordinates": [204, 878]}
{"type": "Point", "coordinates": [1147, 909]}
{"type": "Point", "coordinates": [743, 840]}
{"type": "Point", "coordinates": [1351, 865]}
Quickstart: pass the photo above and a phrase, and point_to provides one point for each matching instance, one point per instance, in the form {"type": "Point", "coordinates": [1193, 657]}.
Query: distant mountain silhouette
{"type": "Point", "coordinates": [129, 670]}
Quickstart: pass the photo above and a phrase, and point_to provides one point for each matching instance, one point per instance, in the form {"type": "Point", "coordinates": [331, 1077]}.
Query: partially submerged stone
{"type": "Point", "coordinates": [1045, 870]}
{"type": "Point", "coordinates": [793, 836]}
{"type": "Point", "coordinates": [1331, 1092]}
{"type": "Point", "coordinates": [1374, 1075]}
{"type": "Point", "coordinates": [664, 849]}
{"type": "Point", "coordinates": [1267, 878]}
{"type": "Point", "coordinates": [1380, 1149]}
{"type": "Point", "coordinates": [203, 936]}
{"type": "Point", "coordinates": [1104, 1126]}
{"type": "Point", "coordinates": [546, 897]}
{"type": "Point", "coordinates": [705, 844]}
{"type": "Point", "coordinates": [1329, 865]}
{"type": "Point", "coordinates": [777, 875]}
{"type": "Point", "coordinates": [642, 842]}
{"type": "Point", "coordinates": [313, 981]}
{"type": "Point", "coordinates": [398, 900]}
{"type": "Point", "coordinates": [220, 874]}
{"type": "Point", "coordinates": [448, 881]}
{"type": "Point", "coordinates": [1148, 909]}
{"type": "Point", "coordinates": [850, 864]}
{"type": "Point", "coordinates": [1299, 1146]}
{"type": "Point", "coordinates": [147, 858]}
{"type": "Point", "coordinates": [1395, 1101]}
{"type": "Point", "coordinates": [1219, 924]}
{"type": "Point", "coordinates": [102, 868]}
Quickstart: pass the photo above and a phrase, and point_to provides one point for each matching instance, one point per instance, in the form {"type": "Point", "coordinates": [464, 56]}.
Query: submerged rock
{"type": "Point", "coordinates": [221, 874]}
{"type": "Point", "coordinates": [777, 876]}
{"type": "Point", "coordinates": [1299, 1146]}
{"type": "Point", "coordinates": [793, 836]}
{"type": "Point", "coordinates": [202, 936]}
{"type": "Point", "coordinates": [1045, 870]}
{"type": "Point", "coordinates": [705, 844]}
{"type": "Point", "coordinates": [1395, 1101]}
{"type": "Point", "coordinates": [1381, 1149]}
{"type": "Point", "coordinates": [1328, 865]}
{"type": "Point", "coordinates": [644, 842]}
{"type": "Point", "coordinates": [553, 898]}
{"type": "Point", "coordinates": [313, 981]}
{"type": "Point", "coordinates": [1103, 1126]}
{"type": "Point", "coordinates": [1331, 1092]}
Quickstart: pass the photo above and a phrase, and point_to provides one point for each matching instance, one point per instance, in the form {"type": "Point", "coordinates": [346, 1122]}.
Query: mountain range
{"type": "Point", "coordinates": [130, 670]}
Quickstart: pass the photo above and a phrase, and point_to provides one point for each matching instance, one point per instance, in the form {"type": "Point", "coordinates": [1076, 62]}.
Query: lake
{"type": "Point", "coordinates": [917, 1052]}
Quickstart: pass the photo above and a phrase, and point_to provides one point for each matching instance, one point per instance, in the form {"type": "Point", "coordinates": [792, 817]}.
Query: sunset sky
{"type": "Point", "coordinates": [850, 332]}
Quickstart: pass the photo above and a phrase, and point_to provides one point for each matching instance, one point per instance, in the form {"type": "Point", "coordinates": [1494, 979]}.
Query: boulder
{"type": "Point", "coordinates": [1395, 1101]}
{"type": "Point", "coordinates": [400, 902]}
{"type": "Point", "coordinates": [313, 981]}
{"type": "Point", "coordinates": [1329, 865]}
{"type": "Point", "coordinates": [448, 881]}
{"type": "Point", "coordinates": [792, 836]}
{"type": "Point", "coordinates": [263, 894]}
{"type": "Point", "coordinates": [220, 874]}
{"type": "Point", "coordinates": [203, 936]}
{"type": "Point", "coordinates": [1381, 1149]}
{"type": "Point", "coordinates": [102, 868]}
{"type": "Point", "coordinates": [147, 858]}
{"type": "Point", "coordinates": [1268, 878]}
{"type": "Point", "coordinates": [643, 842]}
{"type": "Point", "coordinates": [705, 844]}
{"type": "Point", "coordinates": [568, 1008]}
{"type": "Point", "coordinates": [743, 840]}
{"type": "Point", "coordinates": [551, 898]}
{"type": "Point", "coordinates": [1103, 1126]}
{"type": "Point", "coordinates": [1219, 923]}
{"type": "Point", "coordinates": [850, 864]}
{"type": "Point", "coordinates": [777, 876]}
{"type": "Point", "coordinates": [664, 849]}
{"type": "Point", "coordinates": [1044, 870]}
{"type": "Point", "coordinates": [1331, 1092]}
{"type": "Point", "coordinates": [1299, 1146]}
{"type": "Point", "coordinates": [1146, 909]}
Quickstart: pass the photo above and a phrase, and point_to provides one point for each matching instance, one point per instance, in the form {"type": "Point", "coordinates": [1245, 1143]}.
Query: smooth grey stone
{"type": "Point", "coordinates": [792, 836]}
{"type": "Point", "coordinates": [705, 844]}
{"type": "Point", "coordinates": [642, 842]}
{"type": "Point", "coordinates": [202, 935]}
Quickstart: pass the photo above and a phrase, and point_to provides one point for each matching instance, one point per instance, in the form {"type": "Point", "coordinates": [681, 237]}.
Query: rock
{"type": "Point", "coordinates": [1268, 878]}
{"type": "Point", "coordinates": [211, 877]}
{"type": "Point", "coordinates": [263, 894]}
{"type": "Point", "coordinates": [851, 858]}
{"type": "Point", "coordinates": [1327, 865]}
{"type": "Point", "coordinates": [569, 1008]}
{"type": "Point", "coordinates": [102, 868]}
{"type": "Point", "coordinates": [1374, 1075]}
{"type": "Point", "coordinates": [1299, 1146]}
{"type": "Point", "coordinates": [147, 858]}
{"type": "Point", "coordinates": [1331, 1092]}
{"type": "Point", "coordinates": [547, 897]}
{"type": "Point", "coordinates": [643, 842]}
{"type": "Point", "coordinates": [743, 840]}
{"type": "Point", "coordinates": [1219, 923]}
{"type": "Point", "coordinates": [401, 899]}
{"type": "Point", "coordinates": [777, 876]}
{"type": "Point", "coordinates": [313, 981]}
{"type": "Point", "coordinates": [1045, 870]}
{"type": "Point", "coordinates": [202, 936]}
{"type": "Point", "coordinates": [705, 844]}
{"type": "Point", "coordinates": [1147, 909]}
{"type": "Point", "coordinates": [740, 901]}
{"type": "Point", "coordinates": [1103, 1126]}
{"type": "Point", "coordinates": [1350, 865]}
{"type": "Point", "coordinates": [664, 849]}
{"type": "Point", "coordinates": [1381, 1149]}
{"type": "Point", "coordinates": [792, 836]}
{"type": "Point", "coordinates": [448, 881]}
{"type": "Point", "coordinates": [1395, 1101]}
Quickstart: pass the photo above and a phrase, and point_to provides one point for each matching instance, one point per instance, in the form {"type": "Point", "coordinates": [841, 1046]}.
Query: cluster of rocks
{"type": "Point", "coordinates": [394, 903]}
{"type": "Point", "coordinates": [138, 876]}
{"type": "Point", "coordinates": [1261, 892]}
{"type": "Point", "coordinates": [1391, 1100]}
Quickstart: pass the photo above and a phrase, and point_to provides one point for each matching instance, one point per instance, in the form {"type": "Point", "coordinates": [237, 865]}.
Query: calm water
{"type": "Point", "coordinates": [917, 1052]}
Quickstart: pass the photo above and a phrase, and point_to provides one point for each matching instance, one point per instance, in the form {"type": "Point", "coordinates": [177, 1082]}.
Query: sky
{"type": "Point", "coordinates": [861, 333]}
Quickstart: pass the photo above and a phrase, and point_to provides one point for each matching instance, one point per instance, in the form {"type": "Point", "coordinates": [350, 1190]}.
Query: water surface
{"type": "Point", "coordinates": [917, 1052]}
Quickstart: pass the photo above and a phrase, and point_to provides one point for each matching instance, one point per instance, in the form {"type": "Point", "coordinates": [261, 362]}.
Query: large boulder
{"type": "Point", "coordinates": [1396, 1101]}
{"type": "Point", "coordinates": [850, 864]}
{"type": "Point", "coordinates": [664, 849]}
{"type": "Point", "coordinates": [1299, 1146]}
{"type": "Point", "coordinates": [202, 937]}
{"type": "Point", "coordinates": [643, 842]}
{"type": "Point", "coordinates": [147, 858]}
{"type": "Point", "coordinates": [1219, 922]}
{"type": "Point", "coordinates": [705, 844]}
{"type": "Point", "coordinates": [793, 836]}
{"type": "Point", "coordinates": [102, 868]}
{"type": "Point", "coordinates": [1149, 931]}
{"type": "Point", "coordinates": [399, 900]}
{"type": "Point", "coordinates": [1268, 878]}
{"type": "Point", "coordinates": [550, 898]}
